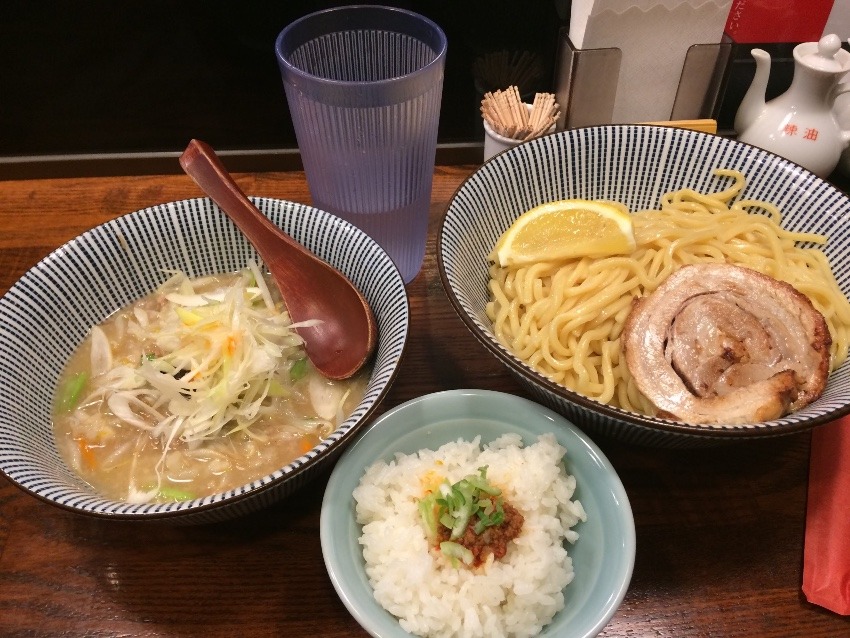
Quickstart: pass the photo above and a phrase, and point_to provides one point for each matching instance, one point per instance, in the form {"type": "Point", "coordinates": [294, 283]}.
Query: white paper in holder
{"type": "Point", "coordinates": [654, 37]}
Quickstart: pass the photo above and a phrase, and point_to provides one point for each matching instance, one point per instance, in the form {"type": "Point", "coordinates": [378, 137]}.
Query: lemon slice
{"type": "Point", "coordinates": [566, 229]}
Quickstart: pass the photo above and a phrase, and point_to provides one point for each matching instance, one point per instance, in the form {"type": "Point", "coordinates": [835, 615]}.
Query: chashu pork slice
{"type": "Point", "coordinates": [717, 343]}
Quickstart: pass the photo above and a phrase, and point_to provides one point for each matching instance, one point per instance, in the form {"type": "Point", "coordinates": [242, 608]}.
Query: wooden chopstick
{"type": "Point", "coordinates": [708, 126]}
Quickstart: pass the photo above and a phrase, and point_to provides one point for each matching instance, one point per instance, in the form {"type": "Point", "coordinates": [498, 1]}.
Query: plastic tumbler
{"type": "Point", "coordinates": [364, 85]}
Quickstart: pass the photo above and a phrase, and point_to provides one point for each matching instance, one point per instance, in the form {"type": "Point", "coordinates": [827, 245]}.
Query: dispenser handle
{"type": "Point", "coordinates": [841, 87]}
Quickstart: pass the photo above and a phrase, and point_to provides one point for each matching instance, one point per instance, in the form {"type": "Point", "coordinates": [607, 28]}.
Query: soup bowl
{"type": "Point", "coordinates": [634, 165]}
{"type": "Point", "coordinates": [47, 313]}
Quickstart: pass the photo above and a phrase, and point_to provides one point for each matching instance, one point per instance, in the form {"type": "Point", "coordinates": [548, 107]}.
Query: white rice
{"type": "Point", "coordinates": [515, 596]}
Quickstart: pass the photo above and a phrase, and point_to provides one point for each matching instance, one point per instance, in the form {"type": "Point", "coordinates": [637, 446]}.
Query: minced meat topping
{"type": "Point", "coordinates": [492, 540]}
{"type": "Point", "coordinates": [470, 520]}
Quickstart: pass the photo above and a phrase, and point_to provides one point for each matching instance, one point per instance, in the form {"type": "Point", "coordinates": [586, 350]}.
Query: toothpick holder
{"type": "Point", "coordinates": [495, 143]}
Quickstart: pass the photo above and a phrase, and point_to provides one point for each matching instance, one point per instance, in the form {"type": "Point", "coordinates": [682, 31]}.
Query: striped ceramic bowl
{"type": "Point", "coordinates": [634, 165]}
{"type": "Point", "coordinates": [48, 312]}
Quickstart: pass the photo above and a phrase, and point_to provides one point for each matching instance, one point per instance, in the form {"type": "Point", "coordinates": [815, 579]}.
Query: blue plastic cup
{"type": "Point", "coordinates": [364, 85]}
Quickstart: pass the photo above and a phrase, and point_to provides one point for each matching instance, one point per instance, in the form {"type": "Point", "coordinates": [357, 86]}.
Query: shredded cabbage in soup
{"type": "Point", "coordinates": [200, 387]}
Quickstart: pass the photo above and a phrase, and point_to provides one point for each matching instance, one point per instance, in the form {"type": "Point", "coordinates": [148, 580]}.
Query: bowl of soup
{"type": "Point", "coordinates": [725, 316]}
{"type": "Point", "coordinates": [149, 369]}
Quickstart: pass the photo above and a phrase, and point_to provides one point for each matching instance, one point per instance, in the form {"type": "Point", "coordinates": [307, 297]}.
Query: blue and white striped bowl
{"type": "Point", "coordinates": [48, 312]}
{"type": "Point", "coordinates": [635, 165]}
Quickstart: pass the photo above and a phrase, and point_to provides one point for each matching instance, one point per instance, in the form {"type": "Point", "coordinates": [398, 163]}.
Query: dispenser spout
{"type": "Point", "coordinates": [754, 99]}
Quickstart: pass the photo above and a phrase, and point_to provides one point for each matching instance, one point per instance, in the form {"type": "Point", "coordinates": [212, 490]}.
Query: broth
{"type": "Point", "coordinates": [195, 389]}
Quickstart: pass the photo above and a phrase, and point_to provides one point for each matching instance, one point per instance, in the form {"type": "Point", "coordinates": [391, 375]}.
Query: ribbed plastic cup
{"type": "Point", "coordinates": [364, 85]}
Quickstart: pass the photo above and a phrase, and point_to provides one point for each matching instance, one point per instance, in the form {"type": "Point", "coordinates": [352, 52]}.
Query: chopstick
{"type": "Point", "coordinates": [707, 126]}
{"type": "Point", "coordinates": [508, 116]}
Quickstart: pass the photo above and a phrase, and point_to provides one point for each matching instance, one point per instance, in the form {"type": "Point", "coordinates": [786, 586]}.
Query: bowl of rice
{"type": "Point", "coordinates": [564, 574]}
{"type": "Point", "coordinates": [592, 334]}
{"type": "Point", "coordinates": [197, 402]}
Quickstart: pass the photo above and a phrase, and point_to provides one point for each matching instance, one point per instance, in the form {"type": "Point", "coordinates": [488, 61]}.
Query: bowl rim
{"type": "Point", "coordinates": [656, 424]}
{"type": "Point", "coordinates": [253, 489]}
{"type": "Point", "coordinates": [331, 514]}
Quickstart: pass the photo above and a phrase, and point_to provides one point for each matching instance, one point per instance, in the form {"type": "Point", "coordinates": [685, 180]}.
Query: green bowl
{"type": "Point", "coordinates": [603, 557]}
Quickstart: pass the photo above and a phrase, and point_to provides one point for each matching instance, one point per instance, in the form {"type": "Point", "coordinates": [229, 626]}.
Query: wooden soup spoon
{"type": "Point", "coordinates": [311, 288]}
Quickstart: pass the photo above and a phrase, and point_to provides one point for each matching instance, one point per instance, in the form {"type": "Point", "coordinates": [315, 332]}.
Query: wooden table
{"type": "Point", "coordinates": [719, 531]}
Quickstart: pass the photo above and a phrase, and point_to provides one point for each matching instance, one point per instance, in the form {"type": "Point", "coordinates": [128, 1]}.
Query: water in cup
{"type": "Point", "coordinates": [364, 86]}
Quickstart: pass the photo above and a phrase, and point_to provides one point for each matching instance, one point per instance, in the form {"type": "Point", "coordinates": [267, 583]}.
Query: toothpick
{"type": "Point", "coordinates": [508, 116]}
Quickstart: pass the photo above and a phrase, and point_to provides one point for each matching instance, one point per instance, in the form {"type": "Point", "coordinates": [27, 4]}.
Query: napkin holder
{"type": "Point", "coordinates": [587, 79]}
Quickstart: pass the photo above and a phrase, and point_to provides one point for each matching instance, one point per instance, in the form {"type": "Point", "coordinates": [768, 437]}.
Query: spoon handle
{"type": "Point", "coordinates": [200, 162]}
{"type": "Point", "coordinates": [336, 322]}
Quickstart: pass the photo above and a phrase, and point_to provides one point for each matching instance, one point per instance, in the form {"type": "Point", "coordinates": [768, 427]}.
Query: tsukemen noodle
{"type": "Point", "coordinates": [566, 318]}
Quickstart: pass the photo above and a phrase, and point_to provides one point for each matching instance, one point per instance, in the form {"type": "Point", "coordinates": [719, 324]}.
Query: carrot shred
{"type": "Point", "coordinates": [87, 454]}
{"type": "Point", "coordinates": [306, 444]}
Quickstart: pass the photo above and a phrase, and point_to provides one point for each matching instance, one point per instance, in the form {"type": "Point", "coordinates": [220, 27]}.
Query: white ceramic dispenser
{"type": "Point", "coordinates": [799, 124]}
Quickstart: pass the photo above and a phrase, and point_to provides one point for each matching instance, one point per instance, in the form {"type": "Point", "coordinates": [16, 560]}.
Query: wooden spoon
{"type": "Point", "coordinates": [311, 288]}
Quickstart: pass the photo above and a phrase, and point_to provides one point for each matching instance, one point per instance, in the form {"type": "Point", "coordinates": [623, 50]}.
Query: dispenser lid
{"type": "Point", "coordinates": [824, 55]}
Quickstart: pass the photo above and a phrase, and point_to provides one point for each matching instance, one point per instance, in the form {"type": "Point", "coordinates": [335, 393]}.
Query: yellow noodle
{"type": "Point", "coordinates": [565, 319]}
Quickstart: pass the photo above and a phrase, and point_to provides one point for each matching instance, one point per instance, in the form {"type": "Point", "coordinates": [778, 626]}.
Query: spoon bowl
{"type": "Point", "coordinates": [339, 328]}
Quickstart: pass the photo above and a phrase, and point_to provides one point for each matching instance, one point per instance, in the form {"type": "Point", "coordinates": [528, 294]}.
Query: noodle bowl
{"type": "Point", "coordinates": [565, 319]}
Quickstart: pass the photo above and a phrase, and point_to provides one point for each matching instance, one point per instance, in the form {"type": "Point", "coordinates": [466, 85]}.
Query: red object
{"type": "Point", "coordinates": [826, 556]}
{"type": "Point", "coordinates": [765, 21]}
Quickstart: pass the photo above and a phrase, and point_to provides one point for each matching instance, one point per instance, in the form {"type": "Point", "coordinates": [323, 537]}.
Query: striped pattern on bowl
{"type": "Point", "coordinates": [635, 165]}
{"type": "Point", "coordinates": [49, 311]}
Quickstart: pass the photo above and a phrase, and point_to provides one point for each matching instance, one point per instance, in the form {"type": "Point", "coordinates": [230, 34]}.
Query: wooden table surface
{"type": "Point", "coordinates": [719, 531]}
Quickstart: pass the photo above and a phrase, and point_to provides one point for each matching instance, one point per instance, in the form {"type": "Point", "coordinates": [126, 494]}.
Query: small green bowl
{"type": "Point", "coordinates": [603, 557]}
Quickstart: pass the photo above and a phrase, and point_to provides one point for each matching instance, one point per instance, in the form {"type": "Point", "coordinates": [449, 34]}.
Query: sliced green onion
{"type": "Point", "coordinates": [471, 498]}
{"type": "Point", "coordinates": [298, 370]}
{"type": "Point", "coordinates": [447, 521]}
{"type": "Point", "coordinates": [489, 519]}
{"type": "Point", "coordinates": [461, 521]}
{"type": "Point", "coordinates": [174, 494]}
{"type": "Point", "coordinates": [218, 357]}
{"type": "Point", "coordinates": [427, 511]}
{"type": "Point", "coordinates": [70, 392]}
{"type": "Point", "coordinates": [480, 482]}
{"type": "Point", "coordinates": [277, 389]}
{"type": "Point", "coordinates": [456, 551]}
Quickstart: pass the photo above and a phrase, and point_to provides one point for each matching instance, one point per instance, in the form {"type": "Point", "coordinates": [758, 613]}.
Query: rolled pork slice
{"type": "Point", "coordinates": [717, 343]}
